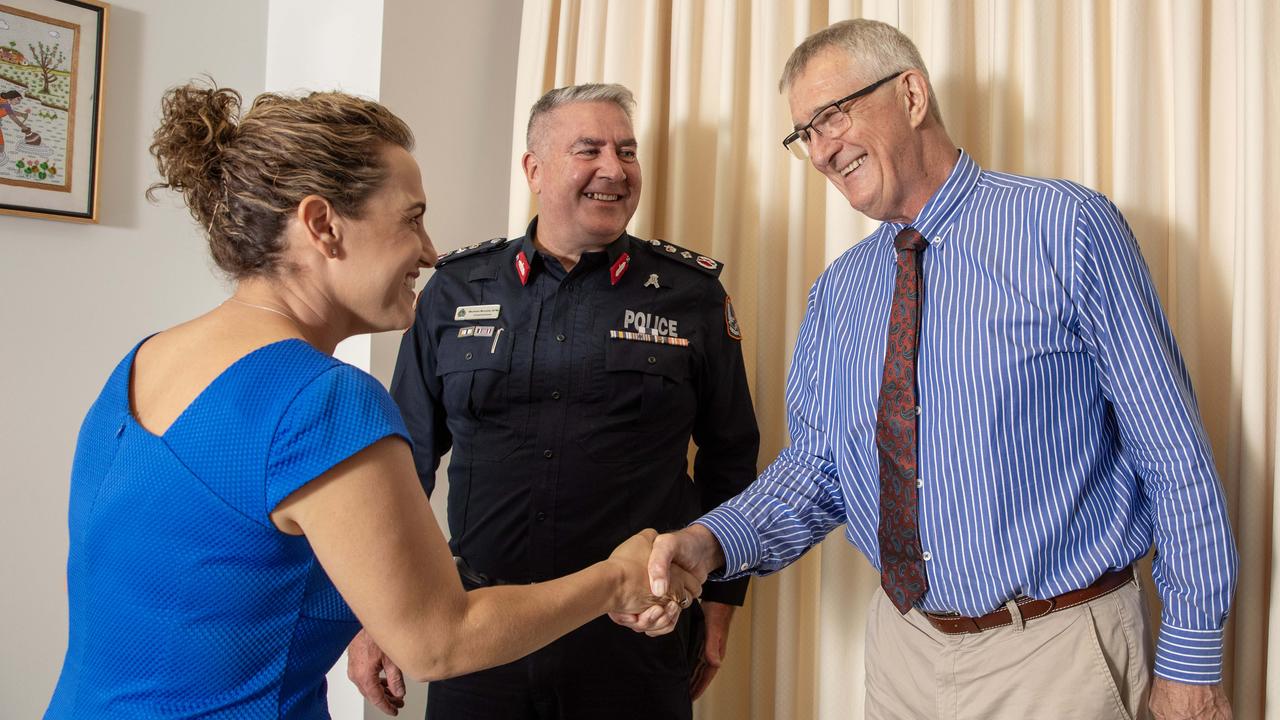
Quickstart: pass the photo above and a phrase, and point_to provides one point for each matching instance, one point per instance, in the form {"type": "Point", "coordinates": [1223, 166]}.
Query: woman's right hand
{"type": "Point", "coordinates": [634, 597]}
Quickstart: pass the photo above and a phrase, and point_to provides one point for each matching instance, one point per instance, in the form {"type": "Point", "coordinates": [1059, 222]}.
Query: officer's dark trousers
{"type": "Point", "coordinates": [599, 671]}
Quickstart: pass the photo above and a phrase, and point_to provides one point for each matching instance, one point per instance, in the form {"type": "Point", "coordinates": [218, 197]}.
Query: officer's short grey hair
{"type": "Point", "coordinates": [588, 92]}
{"type": "Point", "coordinates": [879, 49]}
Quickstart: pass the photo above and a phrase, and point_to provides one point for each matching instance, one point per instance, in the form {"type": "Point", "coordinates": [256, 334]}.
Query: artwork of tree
{"type": "Point", "coordinates": [48, 58]}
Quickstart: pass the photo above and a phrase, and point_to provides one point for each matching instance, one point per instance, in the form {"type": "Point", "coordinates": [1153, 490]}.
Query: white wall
{"type": "Point", "coordinates": [325, 45]}
{"type": "Point", "coordinates": [449, 69]}
{"type": "Point", "coordinates": [329, 45]}
{"type": "Point", "coordinates": [75, 298]}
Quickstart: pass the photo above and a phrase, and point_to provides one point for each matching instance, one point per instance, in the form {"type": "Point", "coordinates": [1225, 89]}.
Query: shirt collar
{"type": "Point", "coordinates": [945, 201]}
{"type": "Point", "coordinates": [612, 252]}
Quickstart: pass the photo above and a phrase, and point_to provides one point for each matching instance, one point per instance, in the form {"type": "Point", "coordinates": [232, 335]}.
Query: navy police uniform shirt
{"type": "Point", "coordinates": [569, 399]}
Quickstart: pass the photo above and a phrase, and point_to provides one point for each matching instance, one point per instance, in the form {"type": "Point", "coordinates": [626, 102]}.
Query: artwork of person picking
{"type": "Point", "coordinates": [50, 68]}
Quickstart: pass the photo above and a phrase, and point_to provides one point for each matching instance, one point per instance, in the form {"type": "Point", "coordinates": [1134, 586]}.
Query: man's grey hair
{"type": "Point", "coordinates": [588, 92]}
{"type": "Point", "coordinates": [877, 48]}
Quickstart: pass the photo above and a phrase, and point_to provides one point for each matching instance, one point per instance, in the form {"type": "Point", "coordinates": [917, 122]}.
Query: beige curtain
{"type": "Point", "coordinates": [1167, 106]}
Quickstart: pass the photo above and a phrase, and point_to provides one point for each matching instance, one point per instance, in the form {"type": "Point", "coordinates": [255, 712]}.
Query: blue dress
{"type": "Point", "coordinates": [185, 601]}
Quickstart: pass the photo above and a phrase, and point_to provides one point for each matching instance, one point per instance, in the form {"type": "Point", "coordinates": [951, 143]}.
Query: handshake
{"type": "Point", "coordinates": [661, 575]}
{"type": "Point", "coordinates": [652, 578]}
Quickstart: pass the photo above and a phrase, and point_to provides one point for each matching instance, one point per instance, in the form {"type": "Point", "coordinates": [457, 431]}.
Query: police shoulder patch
{"type": "Point", "coordinates": [479, 248]}
{"type": "Point", "coordinates": [677, 254]}
{"type": "Point", "coordinates": [731, 327]}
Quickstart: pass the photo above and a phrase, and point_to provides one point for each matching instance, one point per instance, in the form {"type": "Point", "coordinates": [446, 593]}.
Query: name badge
{"type": "Point", "coordinates": [477, 312]}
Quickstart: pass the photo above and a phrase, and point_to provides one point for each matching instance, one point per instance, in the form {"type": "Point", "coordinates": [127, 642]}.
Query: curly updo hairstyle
{"type": "Point", "coordinates": [243, 175]}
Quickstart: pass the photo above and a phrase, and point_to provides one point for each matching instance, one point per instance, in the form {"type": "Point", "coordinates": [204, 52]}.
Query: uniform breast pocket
{"type": "Point", "coordinates": [476, 375]}
{"type": "Point", "coordinates": [646, 397]}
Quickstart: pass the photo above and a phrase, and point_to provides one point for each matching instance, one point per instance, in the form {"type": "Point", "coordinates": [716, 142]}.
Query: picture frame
{"type": "Point", "coordinates": [52, 59]}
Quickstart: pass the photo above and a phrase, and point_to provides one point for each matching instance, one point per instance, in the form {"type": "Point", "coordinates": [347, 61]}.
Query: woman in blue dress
{"type": "Point", "coordinates": [241, 502]}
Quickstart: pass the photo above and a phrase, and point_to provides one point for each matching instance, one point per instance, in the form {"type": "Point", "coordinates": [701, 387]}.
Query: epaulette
{"type": "Point", "coordinates": [690, 258]}
{"type": "Point", "coordinates": [479, 248]}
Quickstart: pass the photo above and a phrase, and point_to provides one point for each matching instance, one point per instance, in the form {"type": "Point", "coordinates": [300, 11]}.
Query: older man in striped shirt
{"type": "Point", "coordinates": [987, 395]}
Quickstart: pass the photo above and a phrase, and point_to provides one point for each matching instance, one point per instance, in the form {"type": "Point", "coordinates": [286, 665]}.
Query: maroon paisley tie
{"type": "Point", "coordinates": [902, 573]}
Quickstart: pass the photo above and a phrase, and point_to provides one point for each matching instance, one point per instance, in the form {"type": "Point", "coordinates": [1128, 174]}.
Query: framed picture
{"type": "Point", "coordinates": [52, 54]}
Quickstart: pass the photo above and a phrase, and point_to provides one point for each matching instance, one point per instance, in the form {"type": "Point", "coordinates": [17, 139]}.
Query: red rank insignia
{"type": "Point", "coordinates": [619, 268]}
{"type": "Point", "coordinates": [522, 267]}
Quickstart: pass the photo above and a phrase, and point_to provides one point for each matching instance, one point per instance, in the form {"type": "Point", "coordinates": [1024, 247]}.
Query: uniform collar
{"type": "Point", "coordinates": [945, 201]}
{"type": "Point", "coordinates": [617, 255]}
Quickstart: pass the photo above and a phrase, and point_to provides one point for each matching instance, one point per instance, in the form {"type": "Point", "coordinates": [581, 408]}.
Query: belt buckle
{"type": "Point", "coordinates": [939, 621]}
{"type": "Point", "coordinates": [942, 617]}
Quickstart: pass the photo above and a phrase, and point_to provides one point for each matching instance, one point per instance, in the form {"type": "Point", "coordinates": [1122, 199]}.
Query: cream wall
{"type": "Point", "coordinates": [74, 299]}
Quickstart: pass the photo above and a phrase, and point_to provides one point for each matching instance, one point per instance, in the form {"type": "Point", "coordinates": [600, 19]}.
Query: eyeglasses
{"type": "Point", "coordinates": [830, 121]}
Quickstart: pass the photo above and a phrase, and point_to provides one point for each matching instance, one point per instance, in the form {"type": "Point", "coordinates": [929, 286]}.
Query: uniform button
{"type": "Point", "coordinates": [652, 360]}
{"type": "Point", "coordinates": [467, 356]}
{"type": "Point", "coordinates": [919, 482]}
{"type": "Point", "coordinates": [917, 410]}
{"type": "Point", "coordinates": [926, 556]}
{"type": "Point", "coordinates": [560, 337]}
{"type": "Point", "coordinates": [555, 394]}
{"type": "Point", "coordinates": [541, 516]}
{"type": "Point", "coordinates": [744, 567]}
{"type": "Point", "coordinates": [547, 454]}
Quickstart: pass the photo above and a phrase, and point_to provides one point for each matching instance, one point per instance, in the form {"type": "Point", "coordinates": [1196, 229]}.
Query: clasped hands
{"type": "Point", "coordinates": [670, 575]}
{"type": "Point", "coordinates": [655, 579]}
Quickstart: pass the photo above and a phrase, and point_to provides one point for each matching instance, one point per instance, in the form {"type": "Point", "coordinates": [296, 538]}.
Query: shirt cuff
{"type": "Point", "coordinates": [1189, 656]}
{"type": "Point", "coordinates": [738, 540]}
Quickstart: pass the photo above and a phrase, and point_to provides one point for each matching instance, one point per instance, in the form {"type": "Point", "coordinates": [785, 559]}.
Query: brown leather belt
{"type": "Point", "coordinates": [1030, 608]}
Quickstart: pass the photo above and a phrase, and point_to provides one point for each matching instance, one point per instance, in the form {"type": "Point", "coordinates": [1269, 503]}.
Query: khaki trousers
{"type": "Point", "coordinates": [1092, 662]}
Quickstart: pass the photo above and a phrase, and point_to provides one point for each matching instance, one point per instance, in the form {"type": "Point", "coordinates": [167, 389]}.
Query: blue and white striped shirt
{"type": "Point", "coordinates": [1058, 435]}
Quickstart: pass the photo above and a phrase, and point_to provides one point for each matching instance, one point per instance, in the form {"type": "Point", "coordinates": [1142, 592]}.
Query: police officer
{"type": "Point", "coordinates": [568, 369]}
